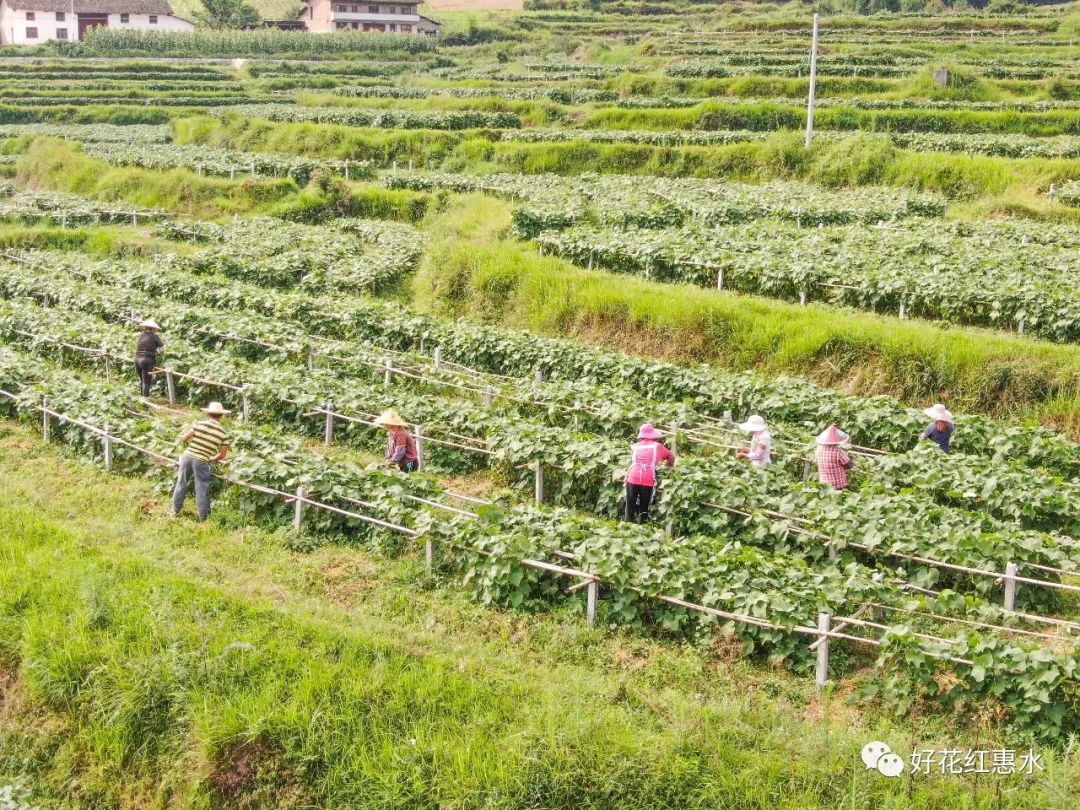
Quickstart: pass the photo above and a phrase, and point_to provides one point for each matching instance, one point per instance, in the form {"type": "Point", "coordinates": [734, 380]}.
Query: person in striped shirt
{"type": "Point", "coordinates": [207, 443]}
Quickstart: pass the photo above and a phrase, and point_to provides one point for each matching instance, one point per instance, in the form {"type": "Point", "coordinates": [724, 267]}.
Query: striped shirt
{"type": "Point", "coordinates": [209, 439]}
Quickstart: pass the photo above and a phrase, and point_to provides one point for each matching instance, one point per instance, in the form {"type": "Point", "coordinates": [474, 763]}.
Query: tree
{"type": "Point", "coordinates": [228, 14]}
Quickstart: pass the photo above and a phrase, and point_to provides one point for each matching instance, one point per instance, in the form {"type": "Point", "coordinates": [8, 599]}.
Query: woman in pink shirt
{"type": "Point", "coordinates": [645, 455]}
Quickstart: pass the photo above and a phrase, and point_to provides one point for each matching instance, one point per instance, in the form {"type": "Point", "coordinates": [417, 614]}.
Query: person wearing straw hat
{"type": "Point", "coordinates": [206, 443]}
{"type": "Point", "coordinates": [400, 445]}
{"type": "Point", "coordinates": [645, 455]}
{"type": "Point", "coordinates": [832, 462]}
{"type": "Point", "coordinates": [760, 450]}
{"type": "Point", "coordinates": [146, 353]}
{"type": "Point", "coordinates": [941, 429]}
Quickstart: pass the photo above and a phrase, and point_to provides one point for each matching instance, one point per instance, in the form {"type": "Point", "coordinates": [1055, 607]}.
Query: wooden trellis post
{"type": "Point", "coordinates": [170, 386]}
{"type": "Point", "coordinates": [438, 357]}
{"type": "Point", "coordinates": [429, 554]}
{"type": "Point", "coordinates": [328, 429]}
{"type": "Point", "coordinates": [592, 592]}
{"type": "Point", "coordinates": [539, 483]}
{"type": "Point", "coordinates": [1010, 586]}
{"type": "Point", "coordinates": [245, 403]}
{"type": "Point", "coordinates": [388, 375]}
{"type": "Point", "coordinates": [298, 508]}
{"type": "Point", "coordinates": [822, 676]}
{"type": "Point", "coordinates": [419, 436]}
{"type": "Point", "coordinates": [46, 425]}
{"type": "Point", "coordinates": [107, 447]}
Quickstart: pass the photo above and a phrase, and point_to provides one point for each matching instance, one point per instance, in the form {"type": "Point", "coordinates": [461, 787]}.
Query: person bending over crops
{"type": "Point", "coordinates": [832, 462]}
{"type": "Point", "coordinates": [400, 445]}
{"type": "Point", "coordinates": [940, 430]}
{"type": "Point", "coordinates": [645, 455]}
{"type": "Point", "coordinates": [207, 443]}
{"type": "Point", "coordinates": [760, 450]}
{"type": "Point", "coordinates": [146, 352]}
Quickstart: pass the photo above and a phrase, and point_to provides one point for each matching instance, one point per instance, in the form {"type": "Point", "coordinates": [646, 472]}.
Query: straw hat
{"type": "Point", "coordinates": [832, 435]}
{"type": "Point", "coordinates": [150, 323]}
{"type": "Point", "coordinates": [755, 424]}
{"type": "Point", "coordinates": [390, 418]}
{"type": "Point", "coordinates": [216, 409]}
{"type": "Point", "coordinates": [939, 413]}
{"type": "Point", "coordinates": [647, 431]}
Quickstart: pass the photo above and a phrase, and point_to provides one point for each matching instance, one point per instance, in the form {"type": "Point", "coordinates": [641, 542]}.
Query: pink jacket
{"type": "Point", "coordinates": [644, 458]}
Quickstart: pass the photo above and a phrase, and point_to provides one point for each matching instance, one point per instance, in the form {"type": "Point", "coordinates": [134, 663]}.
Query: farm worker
{"type": "Point", "coordinates": [146, 352]}
{"type": "Point", "coordinates": [760, 450]}
{"type": "Point", "coordinates": [207, 443]}
{"type": "Point", "coordinates": [832, 462]}
{"type": "Point", "coordinates": [645, 454]}
{"type": "Point", "coordinates": [940, 430]}
{"type": "Point", "coordinates": [400, 445]}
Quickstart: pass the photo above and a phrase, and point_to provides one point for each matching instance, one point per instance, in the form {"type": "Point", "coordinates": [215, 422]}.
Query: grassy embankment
{"type": "Point", "coordinates": [862, 160]}
{"type": "Point", "coordinates": [59, 166]}
{"type": "Point", "coordinates": [148, 663]}
{"type": "Point", "coordinates": [477, 272]}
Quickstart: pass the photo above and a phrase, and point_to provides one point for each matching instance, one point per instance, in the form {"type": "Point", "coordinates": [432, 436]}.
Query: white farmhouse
{"type": "Point", "coordinates": [399, 17]}
{"type": "Point", "coordinates": [31, 22]}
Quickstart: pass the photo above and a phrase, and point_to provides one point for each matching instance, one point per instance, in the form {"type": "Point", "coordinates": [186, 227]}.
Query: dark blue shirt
{"type": "Point", "coordinates": [939, 437]}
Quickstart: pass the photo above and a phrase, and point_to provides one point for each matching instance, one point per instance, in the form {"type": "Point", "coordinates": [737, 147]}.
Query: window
{"type": "Point", "coordinates": [153, 19]}
{"type": "Point", "coordinates": [59, 16]}
{"type": "Point", "coordinates": [342, 9]}
{"type": "Point", "coordinates": [31, 33]}
{"type": "Point", "coordinates": [354, 9]}
{"type": "Point", "coordinates": [406, 29]}
{"type": "Point", "coordinates": [355, 26]}
{"type": "Point", "coordinates": [29, 17]}
{"type": "Point", "coordinates": [61, 33]}
{"type": "Point", "coordinates": [373, 9]}
{"type": "Point", "coordinates": [124, 18]}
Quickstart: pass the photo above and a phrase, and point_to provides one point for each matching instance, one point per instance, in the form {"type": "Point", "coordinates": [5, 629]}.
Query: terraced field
{"type": "Point", "coordinates": [530, 237]}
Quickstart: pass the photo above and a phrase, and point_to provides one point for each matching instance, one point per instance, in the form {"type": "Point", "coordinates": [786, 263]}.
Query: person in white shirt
{"type": "Point", "coordinates": [760, 450]}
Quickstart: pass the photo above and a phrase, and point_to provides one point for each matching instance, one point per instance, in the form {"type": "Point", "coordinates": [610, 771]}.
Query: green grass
{"type": "Point", "coordinates": [861, 160]}
{"type": "Point", "coordinates": [59, 166]}
{"type": "Point", "coordinates": [152, 663]}
{"type": "Point", "coordinates": [478, 274]}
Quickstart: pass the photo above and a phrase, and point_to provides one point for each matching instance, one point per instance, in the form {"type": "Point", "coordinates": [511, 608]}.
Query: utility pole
{"type": "Point", "coordinates": [813, 87]}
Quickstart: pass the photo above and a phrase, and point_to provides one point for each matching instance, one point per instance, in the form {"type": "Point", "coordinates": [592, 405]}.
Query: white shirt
{"type": "Point", "coordinates": [760, 453]}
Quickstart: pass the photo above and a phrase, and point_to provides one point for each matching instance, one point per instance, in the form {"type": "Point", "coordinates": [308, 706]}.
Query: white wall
{"type": "Point", "coordinates": [13, 25]}
{"type": "Point", "coordinates": [142, 21]}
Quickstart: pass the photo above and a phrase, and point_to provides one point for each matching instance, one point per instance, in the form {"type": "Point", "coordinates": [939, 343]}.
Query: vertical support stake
{"type": "Point", "coordinates": [539, 483]}
{"type": "Point", "coordinates": [1010, 586]}
{"type": "Point", "coordinates": [388, 375]}
{"type": "Point", "coordinates": [429, 554]}
{"type": "Point", "coordinates": [592, 591]}
{"type": "Point", "coordinates": [298, 508]}
{"type": "Point", "coordinates": [328, 430]}
{"type": "Point", "coordinates": [106, 443]}
{"type": "Point", "coordinates": [438, 357]}
{"type": "Point", "coordinates": [170, 386]}
{"type": "Point", "coordinates": [813, 86]}
{"type": "Point", "coordinates": [823, 650]}
{"type": "Point", "coordinates": [419, 436]}
{"type": "Point", "coordinates": [46, 424]}
{"type": "Point", "coordinates": [245, 403]}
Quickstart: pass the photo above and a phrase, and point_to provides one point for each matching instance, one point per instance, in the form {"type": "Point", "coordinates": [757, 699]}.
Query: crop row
{"type": "Point", "coordinates": [222, 162]}
{"type": "Point", "coordinates": [202, 43]}
{"type": "Point", "coordinates": [878, 422]}
{"type": "Point", "coordinates": [551, 201]}
{"type": "Point", "coordinates": [1005, 145]}
{"type": "Point", "coordinates": [978, 274]}
{"type": "Point", "coordinates": [111, 133]}
{"type": "Point", "coordinates": [560, 95]}
{"type": "Point", "coordinates": [377, 117]}
{"type": "Point", "coordinates": [69, 209]}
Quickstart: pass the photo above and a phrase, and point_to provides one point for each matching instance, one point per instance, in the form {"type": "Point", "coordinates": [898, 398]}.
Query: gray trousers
{"type": "Point", "coordinates": [193, 469]}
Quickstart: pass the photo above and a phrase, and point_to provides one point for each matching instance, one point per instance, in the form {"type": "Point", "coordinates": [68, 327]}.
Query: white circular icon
{"type": "Point", "coordinates": [890, 765]}
{"type": "Point", "coordinates": [877, 755]}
